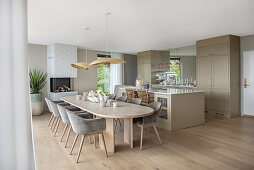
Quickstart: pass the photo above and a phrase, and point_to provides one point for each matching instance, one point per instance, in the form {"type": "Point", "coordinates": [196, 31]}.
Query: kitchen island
{"type": "Point", "coordinates": [181, 108]}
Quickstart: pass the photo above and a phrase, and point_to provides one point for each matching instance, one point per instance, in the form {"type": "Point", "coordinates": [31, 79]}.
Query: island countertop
{"type": "Point", "coordinates": [170, 91]}
{"type": "Point", "coordinates": [167, 91]}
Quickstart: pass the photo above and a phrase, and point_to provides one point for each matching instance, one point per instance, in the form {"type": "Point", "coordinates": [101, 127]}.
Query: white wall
{"type": "Point", "coordinates": [247, 44]}
{"type": "Point", "coordinates": [38, 60]}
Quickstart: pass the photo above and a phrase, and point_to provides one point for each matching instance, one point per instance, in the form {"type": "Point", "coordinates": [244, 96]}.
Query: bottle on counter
{"type": "Point", "coordinates": [139, 82]}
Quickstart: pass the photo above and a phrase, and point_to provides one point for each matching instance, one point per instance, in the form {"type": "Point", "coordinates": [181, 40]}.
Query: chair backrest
{"type": "Point", "coordinates": [153, 118]}
{"type": "Point", "coordinates": [54, 108]}
{"type": "Point", "coordinates": [143, 95]}
{"type": "Point", "coordinates": [63, 113]}
{"type": "Point", "coordinates": [136, 101]}
{"type": "Point", "coordinates": [112, 96]}
{"type": "Point", "coordinates": [122, 98]}
{"type": "Point", "coordinates": [83, 125]}
{"type": "Point", "coordinates": [130, 93]}
{"type": "Point", "coordinates": [48, 104]}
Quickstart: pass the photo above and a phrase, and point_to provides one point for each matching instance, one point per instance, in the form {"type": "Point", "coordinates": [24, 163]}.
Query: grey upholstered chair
{"type": "Point", "coordinates": [66, 121]}
{"type": "Point", "coordinates": [137, 101]}
{"type": "Point", "coordinates": [57, 116]}
{"type": "Point", "coordinates": [86, 127]}
{"type": "Point", "coordinates": [150, 121]}
{"type": "Point", "coordinates": [112, 96]}
{"type": "Point", "coordinates": [50, 110]}
{"type": "Point", "coordinates": [122, 98]}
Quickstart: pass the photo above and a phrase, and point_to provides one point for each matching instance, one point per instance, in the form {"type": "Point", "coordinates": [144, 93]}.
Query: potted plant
{"type": "Point", "coordinates": [37, 83]}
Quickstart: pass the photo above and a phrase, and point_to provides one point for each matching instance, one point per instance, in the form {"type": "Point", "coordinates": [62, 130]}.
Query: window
{"type": "Point", "coordinates": [103, 75]}
{"type": "Point", "coordinates": [175, 67]}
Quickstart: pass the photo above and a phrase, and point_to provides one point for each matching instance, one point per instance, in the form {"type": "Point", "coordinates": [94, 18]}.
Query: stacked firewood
{"type": "Point", "coordinates": [63, 88]}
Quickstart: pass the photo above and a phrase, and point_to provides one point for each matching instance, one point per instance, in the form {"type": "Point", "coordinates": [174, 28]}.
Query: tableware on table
{"type": "Point", "coordinates": [115, 104]}
{"type": "Point", "coordinates": [78, 97]}
{"type": "Point", "coordinates": [102, 104]}
{"type": "Point", "coordinates": [109, 101]}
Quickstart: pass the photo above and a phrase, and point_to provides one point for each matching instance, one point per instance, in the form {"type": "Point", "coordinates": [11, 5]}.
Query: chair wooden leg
{"type": "Point", "coordinates": [94, 139]}
{"type": "Point", "coordinates": [155, 129]}
{"type": "Point", "coordinates": [59, 119]}
{"type": "Point", "coordinates": [141, 137]}
{"type": "Point", "coordinates": [148, 130]}
{"type": "Point", "coordinates": [68, 135]}
{"type": "Point", "coordinates": [74, 143]}
{"type": "Point", "coordinates": [51, 117]}
{"type": "Point", "coordinates": [53, 122]}
{"type": "Point", "coordinates": [90, 141]}
{"type": "Point", "coordinates": [80, 148]}
{"type": "Point", "coordinates": [65, 127]}
{"type": "Point", "coordinates": [104, 144]}
{"type": "Point", "coordinates": [119, 122]}
{"type": "Point", "coordinates": [115, 124]}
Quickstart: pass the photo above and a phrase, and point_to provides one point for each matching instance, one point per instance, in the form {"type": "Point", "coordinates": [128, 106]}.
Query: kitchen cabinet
{"type": "Point", "coordinates": [148, 64]}
{"type": "Point", "coordinates": [218, 72]}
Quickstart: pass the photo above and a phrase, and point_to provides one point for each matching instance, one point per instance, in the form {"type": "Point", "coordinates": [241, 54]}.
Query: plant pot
{"type": "Point", "coordinates": [37, 104]}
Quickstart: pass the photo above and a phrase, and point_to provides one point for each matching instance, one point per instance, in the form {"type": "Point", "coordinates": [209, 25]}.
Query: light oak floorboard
{"type": "Point", "coordinates": [219, 144]}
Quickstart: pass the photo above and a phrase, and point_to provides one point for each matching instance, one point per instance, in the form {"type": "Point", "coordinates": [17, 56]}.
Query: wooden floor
{"type": "Point", "coordinates": [221, 143]}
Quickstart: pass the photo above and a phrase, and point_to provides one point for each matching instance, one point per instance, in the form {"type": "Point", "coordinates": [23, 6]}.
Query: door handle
{"type": "Point", "coordinates": [245, 83]}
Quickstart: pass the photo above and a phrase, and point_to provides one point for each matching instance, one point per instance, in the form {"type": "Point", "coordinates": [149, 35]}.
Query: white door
{"type": "Point", "coordinates": [248, 83]}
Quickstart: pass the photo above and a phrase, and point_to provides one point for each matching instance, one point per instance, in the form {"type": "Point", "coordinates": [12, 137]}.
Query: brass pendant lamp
{"type": "Point", "coordinates": [84, 65]}
{"type": "Point", "coordinates": [103, 61]}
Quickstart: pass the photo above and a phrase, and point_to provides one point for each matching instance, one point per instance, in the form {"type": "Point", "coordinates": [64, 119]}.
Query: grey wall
{"type": "Point", "coordinates": [87, 79]}
{"type": "Point", "coordinates": [130, 69]}
{"type": "Point", "coordinates": [189, 67]}
{"type": "Point", "coordinates": [38, 60]}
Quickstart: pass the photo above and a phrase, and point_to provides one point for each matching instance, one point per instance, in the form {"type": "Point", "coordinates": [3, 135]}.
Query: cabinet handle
{"type": "Point", "coordinates": [212, 82]}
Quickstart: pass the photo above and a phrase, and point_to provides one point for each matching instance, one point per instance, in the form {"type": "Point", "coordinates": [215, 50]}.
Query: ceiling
{"type": "Point", "coordinates": [137, 25]}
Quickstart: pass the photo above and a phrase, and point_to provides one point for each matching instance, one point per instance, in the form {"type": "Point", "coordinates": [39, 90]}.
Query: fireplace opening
{"type": "Point", "coordinates": [60, 85]}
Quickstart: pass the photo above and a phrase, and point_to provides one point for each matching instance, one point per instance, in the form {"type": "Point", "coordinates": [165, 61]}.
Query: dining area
{"type": "Point", "coordinates": [100, 122]}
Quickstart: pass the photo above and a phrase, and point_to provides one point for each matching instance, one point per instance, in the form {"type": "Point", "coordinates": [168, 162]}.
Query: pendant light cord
{"type": "Point", "coordinates": [107, 32]}
{"type": "Point", "coordinates": [86, 44]}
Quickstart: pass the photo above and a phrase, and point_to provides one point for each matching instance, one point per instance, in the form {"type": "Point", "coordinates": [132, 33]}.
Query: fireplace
{"type": "Point", "coordinates": [60, 85]}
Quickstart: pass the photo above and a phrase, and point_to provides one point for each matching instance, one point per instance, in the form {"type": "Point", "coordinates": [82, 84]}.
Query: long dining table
{"type": "Point", "coordinates": [125, 111]}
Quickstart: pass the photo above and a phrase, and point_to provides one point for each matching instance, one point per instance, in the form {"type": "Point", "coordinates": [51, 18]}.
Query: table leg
{"type": "Point", "coordinates": [128, 131]}
{"type": "Point", "coordinates": [109, 136]}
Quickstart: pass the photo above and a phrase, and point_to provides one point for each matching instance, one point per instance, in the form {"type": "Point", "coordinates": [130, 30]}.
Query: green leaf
{"type": "Point", "coordinates": [38, 80]}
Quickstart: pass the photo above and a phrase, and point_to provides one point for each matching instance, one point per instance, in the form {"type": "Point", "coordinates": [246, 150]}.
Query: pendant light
{"type": "Point", "coordinates": [84, 65]}
{"type": "Point", "coordinates": [177, 64]}
{"type": "Point", "coordinates": [107, 60]}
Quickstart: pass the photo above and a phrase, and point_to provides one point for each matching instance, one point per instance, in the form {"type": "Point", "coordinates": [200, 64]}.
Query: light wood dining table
{"type": "Point", "coordinates": [125, 111]}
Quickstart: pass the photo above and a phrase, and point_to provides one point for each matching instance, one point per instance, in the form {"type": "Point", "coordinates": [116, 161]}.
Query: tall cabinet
{"type": "Point", "coordinates": [218, 74]}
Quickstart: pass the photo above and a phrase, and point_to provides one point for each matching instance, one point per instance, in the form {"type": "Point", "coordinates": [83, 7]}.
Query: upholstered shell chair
{"type": "Point", "coordinates": [122, 98]}
{"type": "Point", "coordinates": [112, 96]}
{"type": "Point", "coordinates": [137, 101]}
{"type": "Point", "coordinates": [150, 121]}
{"type": "Point", "coordinates": [86, 127]}
{"type": "Point", "coordinates": [66, 121]}
{"type": "Point", "coordinates": [57, 116]}
{"type": "Point", "coordinates": [50, 110]}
